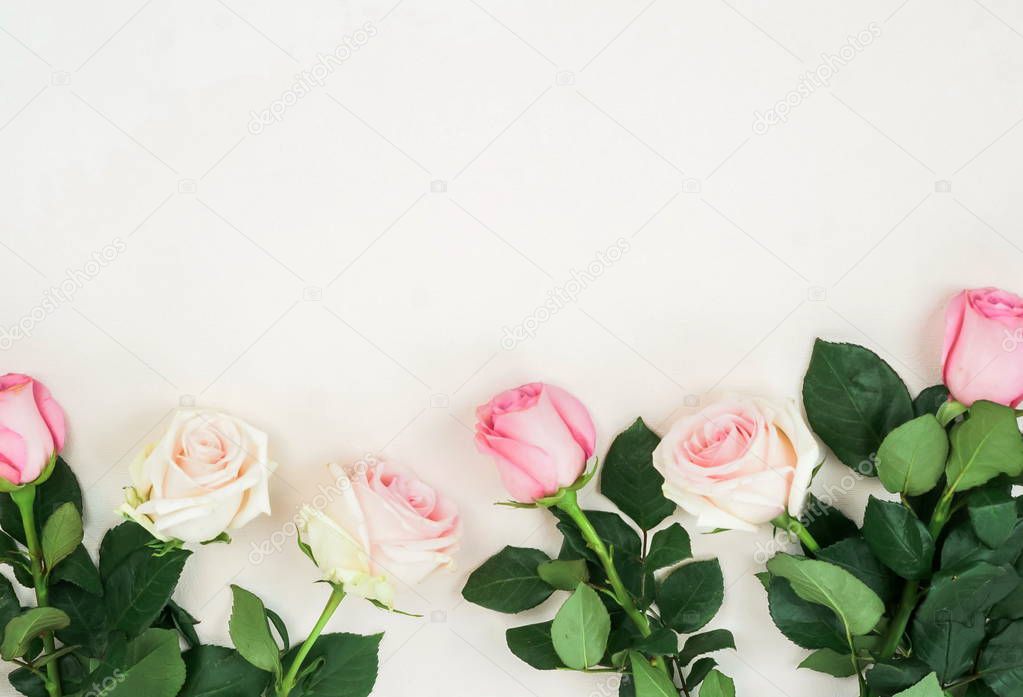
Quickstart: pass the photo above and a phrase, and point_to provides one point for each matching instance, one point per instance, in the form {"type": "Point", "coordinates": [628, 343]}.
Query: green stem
{"type": "Point", "coordinates": [792, 525]}
{"type": "Point", "coordinates": [288, 683]}
{"type": "Point", "coordinates": [569, 503]}
{"type": "Point", "coordinates": [25, 500]}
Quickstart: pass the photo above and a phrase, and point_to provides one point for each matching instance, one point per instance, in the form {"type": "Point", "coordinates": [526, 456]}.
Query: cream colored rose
{"type": "Point", "coordinates": [739, 462]}
{"type": "Point", "coordinates": [209, 473]}
{"type": "Point", "coordinates": [380, 527]}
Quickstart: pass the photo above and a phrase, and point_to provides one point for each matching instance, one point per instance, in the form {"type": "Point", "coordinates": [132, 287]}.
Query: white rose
{"type": "Point", "coordinates": [739, 462]}
{"type": "Point", "coordinates": [380, 526]}
{"type": "Point", "coordinates": [209, 473]}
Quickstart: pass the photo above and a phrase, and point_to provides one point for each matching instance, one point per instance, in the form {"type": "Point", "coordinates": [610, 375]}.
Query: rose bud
{"type": "Point", "coordinates": [377, 526]}
{"type": "Point", "coordinates": [739, 462]}
{"type": "Point", "coordinates": [540, 436]}
{"type": "Point", "coordinates": [31, 428]}
{"type": "Point", "coordinates": [209, 473]}
{"type": "Point", "coordinates": [983, 351]}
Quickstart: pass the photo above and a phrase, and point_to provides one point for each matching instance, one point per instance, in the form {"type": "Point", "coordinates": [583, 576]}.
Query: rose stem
{"type": "Point", "coordinates": [25, 499]}
{"type": "Point", "coordinates": [288, 684]}
{"type": "Point", "coordinates": [792, 525]}
{"type": "Point", "coordinates": [569, 503]}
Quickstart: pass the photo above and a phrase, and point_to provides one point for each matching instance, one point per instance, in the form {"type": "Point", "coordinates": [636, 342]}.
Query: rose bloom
{"type": "Point", "coordinates": [380, 525]}
{"type": "Point", "coordinates": [739, 462]}
{"type": "Point", "coordinates": [540, 437]}
{"type": "Point", "coordinates": [209, 473]}
{"type": "Point", "coordinates": [983, 352]}
{"type": "Point", "coordinates": [31, 428]}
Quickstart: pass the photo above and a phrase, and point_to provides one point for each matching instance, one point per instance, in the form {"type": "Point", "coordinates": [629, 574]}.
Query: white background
{"type": "Point", "coordinates": [342, 278]}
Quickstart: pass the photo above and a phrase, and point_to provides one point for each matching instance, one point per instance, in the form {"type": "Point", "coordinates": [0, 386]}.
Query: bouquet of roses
{"type": "Point", "coordinates": [630, 595]}
{"type": "Point", "coordinates": [926, 598]}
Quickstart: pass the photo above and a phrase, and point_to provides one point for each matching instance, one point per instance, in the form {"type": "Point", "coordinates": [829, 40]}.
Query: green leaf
{"type": "Point", "coordinates": [62, 487]}
{"type": "Point", "coordinates": [581, 628]}
{"type": "Point", "coordinates": [707, 642]}
{"type": "Point", "coordinates": [250, 632]}
{"type": "Point", "coordinates": [1001, 663]}
{"type": "Point", "coordinates": [928, 687]}
{"type": "Point", "coordinates": [349, 666]}
{"type": "Point", "coordinates": [669, 547]}
{"type": "Point", "coordinates": [806, 624]}
{"type": "Point", "coordinates": [853, 554]}
{"type": "Point", "coordinates": [840, 665]}
{"type": "Point", "coordinates": [88, 614]}
{"type": "Point", "coordinates": [826, 523]}
{"type": "Point", "coordinates": [898, 539]}
{"type": "Point", "coordinates": [962, 547]}
{"type": "Point", "coordinates": [21, 630]}
{"type": "Point", "coordinates": [508, 581]}
{"type": "Point", "coordinates": [661, 642]}
{"type": "Point", "coordinates": [717, 684]}
{"type": "Point", "coordinates": [152, 666]}
{"type": "Point", "coordinates": [992, 513]}
{"type": "Point", "coordinates": [10, 606]}
{"type": "Point", "coordinates": [630, 480]}
{"type": "Point", "coordinates": [691, 595]}
{"type": "Point", "coordinates": [985, 445]}
{"type": "Point", "coordinates": [175, 617]}
{"type": "Point", "coordinates": [79, 569]}
{"type": "Point", "coordinates": [948, 627]}
{"type": "Point", "coordinates": [62, 533]}
{"type": "Point", "coordinates": [930, 400]}
{"type": "Point", "coordinates": [565, 575]}
{"type": "Point", "coordinates": [650, 681]}
{"type": "Point", "coordinates": [216, 671]}
{"type": "Point", "coordinates": [819, 582]}
{"type": "Point", "coordinates": [137, 583]}
{"type": "Point", "coordinates": [853, 399]}
{"type": "Point", "coordinates": [532, 643]}
{"type": "Point", "coordinates": [699, 671]}
{"type": "Point", "coordinates": [889, 677]}
{"type": "Point", "coordinates": [912, 457]}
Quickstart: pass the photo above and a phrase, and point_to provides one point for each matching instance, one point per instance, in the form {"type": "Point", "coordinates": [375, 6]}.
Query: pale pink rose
{"type": "Point", "coordinates": [379, 525]}
{"type": "Point", "coordinates": [209, 473]}
{"type": "Point", "coordinates": [539, 435]}
{"type": "Point", "coordinates": [983, 352]}
{"type": "Point", "coordinates": [739, 462]}
{"type": "Point", "coordinates": [31, 428]}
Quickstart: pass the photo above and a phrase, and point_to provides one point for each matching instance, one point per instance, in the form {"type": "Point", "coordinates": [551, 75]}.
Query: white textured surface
{"type": "Point", "coordinates": [312, 279]}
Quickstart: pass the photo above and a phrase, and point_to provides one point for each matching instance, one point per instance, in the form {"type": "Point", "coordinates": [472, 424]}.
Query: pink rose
{"type": "Point", "coordinates": [739, 462]}
{"type": "Point", "coordinates": [378, 525]}
{"type": "Point", "coordinates": [540, 436]}
{"type": "Point", "coordinates": [983, 353]}
{"type": "Point", "coordinates": [31, 428]}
